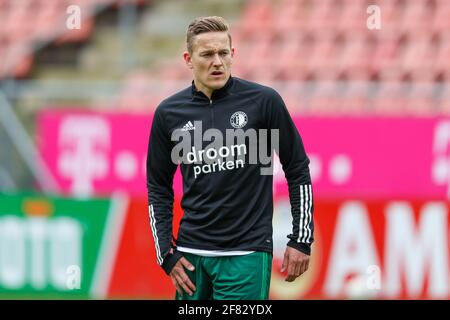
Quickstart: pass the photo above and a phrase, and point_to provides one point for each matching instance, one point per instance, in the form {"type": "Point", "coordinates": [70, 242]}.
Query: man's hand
{"type": "Point", "coordinates": [296, 263]}
{"type": "Point", "coordinates": [180, 279]}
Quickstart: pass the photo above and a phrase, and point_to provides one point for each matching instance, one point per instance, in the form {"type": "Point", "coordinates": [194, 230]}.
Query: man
{"type": "Point", "coordinates": [224, 246]}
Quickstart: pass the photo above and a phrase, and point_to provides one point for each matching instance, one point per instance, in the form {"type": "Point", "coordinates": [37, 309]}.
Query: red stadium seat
{"type": "Point", "coordinates": [440, 21]}
{"type": "Point", "coordinates": [353, 17]}
{"type": "Point", "coordinates": [257, 16]}
{"type": "Point", "coordinates": [417, 17]}
{"type": "Point", "coordinates": [258, 52]}
{"type": "Point", "coordinates": [418, 55]}
{"type": "Point", "coordinates": [291, 18]}
{"type": "Point", "coordinates": [324, 58]}
{"type": "Point", "coordinates": [292, 58]}
{"type": "Point", "coordinates": [322, 17]}
{"type": "Point", "coordinates": [356, 57]}
{"type": "Point", "coordinates": [442, 61]}
{"type": "Point", "coordinates": [386, 55]}
{"type": "Point", "coordinates": [23, 67]}
{"type": "Point", "coordinates": [46, 17]}
{"type": "Point", "coordinates": [391, 17]}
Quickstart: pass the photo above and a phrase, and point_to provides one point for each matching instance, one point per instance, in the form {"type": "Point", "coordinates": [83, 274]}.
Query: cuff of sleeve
{"type": "Point", "coordinates": [300, 246]}
{"type": "Point", "coordinates": [170, 261]}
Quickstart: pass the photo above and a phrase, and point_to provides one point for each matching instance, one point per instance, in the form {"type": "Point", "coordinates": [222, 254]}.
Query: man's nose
{"type": "Point", "coordinates": [217, 61]}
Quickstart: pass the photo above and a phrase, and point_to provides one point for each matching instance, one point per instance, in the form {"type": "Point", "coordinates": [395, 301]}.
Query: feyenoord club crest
{"type": "Point", "coordinates": [238, 119]}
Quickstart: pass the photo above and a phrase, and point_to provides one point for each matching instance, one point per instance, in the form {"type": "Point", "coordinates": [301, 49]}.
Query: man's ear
{"type": "Point", "coordinates": [187, 59]}
{"type": "Point", "coordinates": [232, 55]}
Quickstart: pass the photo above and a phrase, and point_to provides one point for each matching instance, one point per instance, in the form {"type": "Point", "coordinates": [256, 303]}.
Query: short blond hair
{"type": "Point", "coordinates": [203, 25]}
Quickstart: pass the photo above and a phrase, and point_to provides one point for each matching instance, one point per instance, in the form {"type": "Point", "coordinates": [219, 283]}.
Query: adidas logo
{"type": "Point", "coordinates": [188, 126]}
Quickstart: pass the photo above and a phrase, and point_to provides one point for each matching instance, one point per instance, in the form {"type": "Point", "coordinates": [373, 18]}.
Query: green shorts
{"type": "Point", "coordinates": [245, 277]}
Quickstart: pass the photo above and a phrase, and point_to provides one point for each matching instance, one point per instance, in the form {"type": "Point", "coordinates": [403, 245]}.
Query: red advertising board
{"type": "Point", "coordinates": [364, 249]}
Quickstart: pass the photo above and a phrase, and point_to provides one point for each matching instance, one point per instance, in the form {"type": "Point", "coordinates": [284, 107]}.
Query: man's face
{"type": "Point", "coordinates": [210, 61]}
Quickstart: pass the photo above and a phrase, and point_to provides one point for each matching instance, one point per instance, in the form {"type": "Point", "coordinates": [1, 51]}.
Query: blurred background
{"type": "Point", "coordinates": [366, 82]}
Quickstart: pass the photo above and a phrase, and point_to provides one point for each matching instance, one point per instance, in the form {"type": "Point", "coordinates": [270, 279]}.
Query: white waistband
{"type": "Point", "coordinates": [213, 253]}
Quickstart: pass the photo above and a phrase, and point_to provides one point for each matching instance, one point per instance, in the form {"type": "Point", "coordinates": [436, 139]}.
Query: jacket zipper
{"type": "Point", "coordinates": [212, 112]}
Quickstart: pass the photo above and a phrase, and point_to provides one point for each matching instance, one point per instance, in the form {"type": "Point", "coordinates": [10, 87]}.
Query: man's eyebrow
{"type": "Point", "coordinates": [212, 50]}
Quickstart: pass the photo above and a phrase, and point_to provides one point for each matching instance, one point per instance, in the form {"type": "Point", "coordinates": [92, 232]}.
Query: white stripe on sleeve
{"type": "Point", "coordinates": [308, 239]}
{"type": "Point", "coordinates": [155, 235]}
{"type": "Point", "coordinates": [305, 225]}
{"type": "Point", "coordinates": [300, 227]}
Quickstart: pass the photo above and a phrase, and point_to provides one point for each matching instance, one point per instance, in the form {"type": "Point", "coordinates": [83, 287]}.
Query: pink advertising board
{"type": "Point", "coordinates": [96, 153]}
{"type": "Point", "coordinates": [378, 157]}
{"type": "Point", "coordinates": [99, 153]}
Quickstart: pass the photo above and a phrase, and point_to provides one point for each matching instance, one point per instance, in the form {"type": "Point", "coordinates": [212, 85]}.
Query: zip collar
{"type": "Point", "coordinates": [218, 93]}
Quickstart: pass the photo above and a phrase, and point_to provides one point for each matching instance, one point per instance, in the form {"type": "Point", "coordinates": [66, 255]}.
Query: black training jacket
{"type": "Point", "coordinates": [227, 202]}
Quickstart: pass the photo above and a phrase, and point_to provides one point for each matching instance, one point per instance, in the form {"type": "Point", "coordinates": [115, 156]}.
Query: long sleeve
{"type": "Point", "coordinates": [295, 164]}
{"type": "Point", "coordinates": [160, 173]}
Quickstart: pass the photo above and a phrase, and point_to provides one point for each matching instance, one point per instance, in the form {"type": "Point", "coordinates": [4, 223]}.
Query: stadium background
{"type": "Point", "coordinates": [76, 103]}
